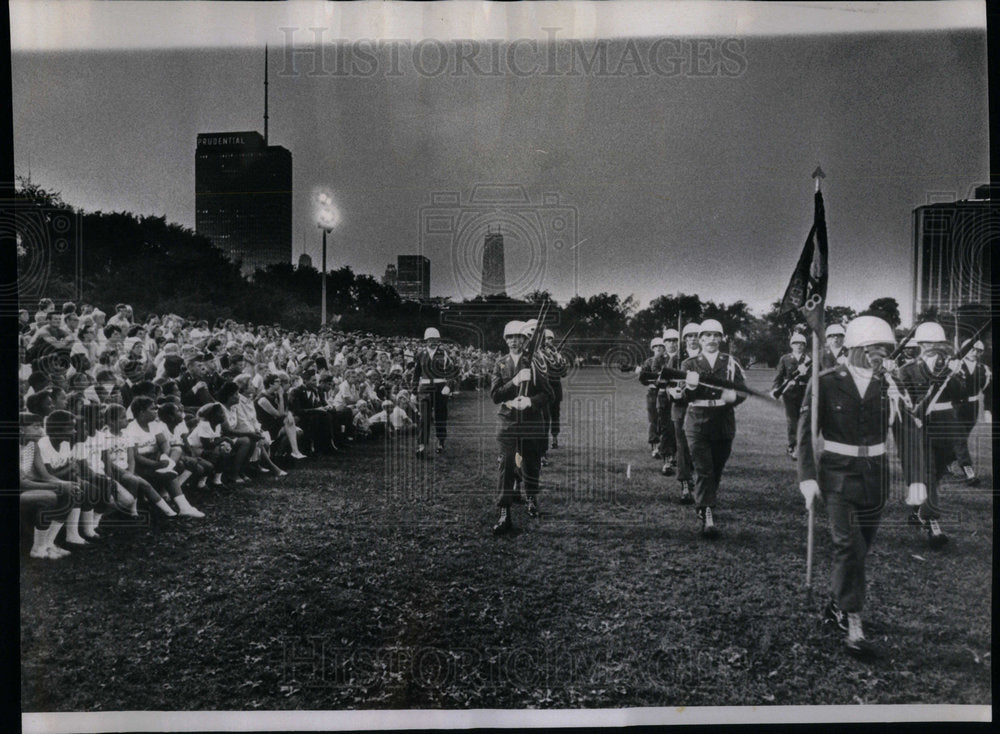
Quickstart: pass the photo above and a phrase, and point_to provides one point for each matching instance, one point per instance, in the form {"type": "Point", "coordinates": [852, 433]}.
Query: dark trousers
{"type": "Point", "coordinates": [661, 430]}
{"type": "Point", "coordinates": [554, 412]}
{"type": "Point", "coordinates": [852, 529]}
{"type": "Point", "coordinates": [709, 455]}
{"type": "Point", "coordinates": [965, 420]}
{"type": "Point", "coordinates": [45, 505]}
{"type": "Point", "coordinates": [684, 467]}
{"type": "Point", "coordinates": [433, 406]}
{"type": "Point", "coordinates": [793, 406]}
{"type": "Point", "coordinates": [668, 437]}
{"type": "Point", "coordinates": [530, 449]}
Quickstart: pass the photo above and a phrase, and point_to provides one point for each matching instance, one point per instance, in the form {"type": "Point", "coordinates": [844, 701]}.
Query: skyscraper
{"type": "Point", "coordinates": [413, 277]}
{"type": "Point", "coordinates": [389, 278]}
{"type": "Point", "coordinates": [243, 195]}
{"type": "Point", "coordinates": [494, 275]}
{"type": "Point", "coordinates": [951, 253]}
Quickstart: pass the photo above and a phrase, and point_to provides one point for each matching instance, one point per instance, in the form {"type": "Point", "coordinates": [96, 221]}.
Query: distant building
{"type": "Point", "coordinates": [494, 275]}
{"type": "Point", "coordinates": [243, 197]}
{"type": "Point", "coordinates": [389, 278]}
{"type": "Point", "coordinates": [413, 277]}
{"type": "Point", "coordinates": [305, 261]}
{"type": "Point", "coordinates": [951, 253]}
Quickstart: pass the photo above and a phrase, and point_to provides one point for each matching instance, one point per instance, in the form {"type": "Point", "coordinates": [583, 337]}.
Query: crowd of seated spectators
{"type": "Point", "coordinates": [120, 415]}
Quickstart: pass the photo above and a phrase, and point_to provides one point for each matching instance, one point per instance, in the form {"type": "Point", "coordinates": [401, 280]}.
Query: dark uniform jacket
{"type": "Point", "coordinates": [649, 372]}
{"type": "Point", "coordinates": [557, 368]}
{"type": "Point", "coordinates": [720, 420]}
{"type": "Point", "coordinates": [975, 381]}
{"type": "Point", "coordinates": [528, 422]}
{"type": "Point", "coordinates": [788, 368]}
{"type": "Point", "coordinates": [915, 380]}
{"type": "Point", "coordinates": [828, 360]}
{"type": "Point", "coordinates": [196, 392]}
{"type": "Point", "coordinates": [846, 417]}
{"type": "Point", "coordinates": [677, 408]}
{"type": "Point", "coordinates": [441, 369]}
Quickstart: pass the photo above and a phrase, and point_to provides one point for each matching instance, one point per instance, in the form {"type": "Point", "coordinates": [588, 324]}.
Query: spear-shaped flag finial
{"type": "Point", "coordinates": [819, 176]}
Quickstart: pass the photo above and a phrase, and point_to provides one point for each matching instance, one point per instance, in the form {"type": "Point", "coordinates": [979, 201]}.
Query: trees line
{"type": "Point", "coordinates": [160, 267]}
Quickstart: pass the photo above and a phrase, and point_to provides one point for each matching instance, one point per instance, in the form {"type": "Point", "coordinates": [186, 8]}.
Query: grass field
{"type": "Point", "coordinates": [366, 580]}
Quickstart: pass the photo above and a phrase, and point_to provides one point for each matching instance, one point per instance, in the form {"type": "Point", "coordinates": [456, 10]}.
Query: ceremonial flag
{"type": "Point", "coordinates": [806, 291]}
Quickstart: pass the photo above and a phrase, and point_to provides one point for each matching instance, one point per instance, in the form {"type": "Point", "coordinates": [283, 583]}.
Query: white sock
{"type": "Point", "coordinates": [186, 508]}
{"type": "Point", "coordinates": [87, 523]}
{"type": "Point", "coordinates": [185, 475]}
{"type": "Point", "coordinates": [51, 533]}
{"type": "Point", "coordinates": [854, 629]}
{"type": "Point", "coordinates": [165, 508]}
{"type": "Point", "coordinates": [217, 479]}
{"type": "Point", "coordinates": [40, 546]}
{"type": "Point", "coordinates": [73, 526]}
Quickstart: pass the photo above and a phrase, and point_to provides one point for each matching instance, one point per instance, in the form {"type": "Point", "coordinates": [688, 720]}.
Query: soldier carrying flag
{"type": "Point", "coordinates": [851, 472]}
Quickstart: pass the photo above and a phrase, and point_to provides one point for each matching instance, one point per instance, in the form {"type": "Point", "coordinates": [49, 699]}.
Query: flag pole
{"type": "Point", "coordinates": [814, 435]}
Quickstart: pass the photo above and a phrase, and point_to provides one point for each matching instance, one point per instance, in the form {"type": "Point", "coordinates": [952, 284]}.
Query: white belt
{"type": "Point", "coordinates": [435, 381]}
{"type": "Point", "coordinates": [938, 407]}
{"type": "Point", "coordinates": [708, 403]}
{"type": "Point", "coordinates": [845, 449]}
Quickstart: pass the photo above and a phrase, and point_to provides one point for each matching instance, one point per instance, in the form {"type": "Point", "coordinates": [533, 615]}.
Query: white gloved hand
{"type": "Point", "coordinates": [987, 416]}
{"type": "Point", "coordinates": [676, 393]}
{"type": "Point", "coordinates": [916, 494]}
{"type": "Point", "coordinates": [810, 491]}
{"type": "Point", "coordinates": [522, 376]}
{"type": "Point", "coordinates": [692, 379]}
{"type": "Point", "coordinates": [446, 391]}
{"type": "Point", "coordinates": [521, 402]}
{"type": "Point", "coordinates": [954, 365]}
{"type": "Point", "coordinates": [729, 396]}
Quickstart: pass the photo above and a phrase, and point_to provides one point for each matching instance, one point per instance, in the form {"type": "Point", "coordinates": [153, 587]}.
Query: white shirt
{"type": "Point", "coordinates": [204, 430]}
{"type": "Point", "coordinates": [862, 378]}
{"type": "Point", "coordinates": [144, 440]}
{"type": "Point", "coordinates": [177, 435]}
{"type": "Point", "coordinates": [89, 451]}
{"type": "Point", "coordinates": [712, 358]}
{"type": "Point", "coordinates": [52, 457]}
{"type": "Point", "coordinates": [117, 448]}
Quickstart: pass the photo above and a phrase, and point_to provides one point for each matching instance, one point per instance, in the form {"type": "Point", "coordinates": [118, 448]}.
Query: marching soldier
{"type": "Point", "coordinates": [710, 424]}
{"type": "Point", "coordinates": [649, 375]}
{"type": "Point", "coordinates": [557, 368]}
{"type": "Point", "coordinates": [834, 352]}
{"type": "Point", "coordinates": [790, 385]}
{"type": "Point", "coordinates": [521, 389]}
{"type": "Point", "coordinates": [855, 404]}
{"type": "Point", "coordinates": [435, 375]}
{"type": "Point", "coordinates": [678, 410]}
{"type": "Point", "coordinates": [976, 395]}
{"type": "Point", "coordinates": [668, 442]}
{"type": "Point", "coordinates": [928, 429]}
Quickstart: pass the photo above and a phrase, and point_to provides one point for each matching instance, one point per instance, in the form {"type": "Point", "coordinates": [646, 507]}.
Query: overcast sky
{"type": "Point", "coordinates": [675, 181]}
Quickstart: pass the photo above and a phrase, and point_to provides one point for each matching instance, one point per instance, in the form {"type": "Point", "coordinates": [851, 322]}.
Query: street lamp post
{"type": "Point", "coordinates": [327, 217]}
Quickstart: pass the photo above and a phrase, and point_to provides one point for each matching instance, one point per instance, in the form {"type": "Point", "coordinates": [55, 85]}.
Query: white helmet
{"type": "Point", "coordinates": [528, 328]}
{"type": "Point", "coordinates": [671, 334]}
{"type": "Point", "coordinates": [978, 345]}
{"type": "Point", "coordinates": [835, 330]}
{"type": "Point", "coordinates": [929, 332]}
{"type": "Point", "coordinates": [549, 334]}
{"type": "Point", "coordinates": [797, 338]}
{"type": "Point", "coordinates": [691, 328]}
{"type": "Point", "coordinates": [431, 333]}
{"type": "Point", "coordinates": [512, 328]}
{"type": "Point", "coordinates": [867, 330]}
{"type": "Point", "coordinates": [710, 325]}
{"type": "Point", "coordinates": [656, 342]}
